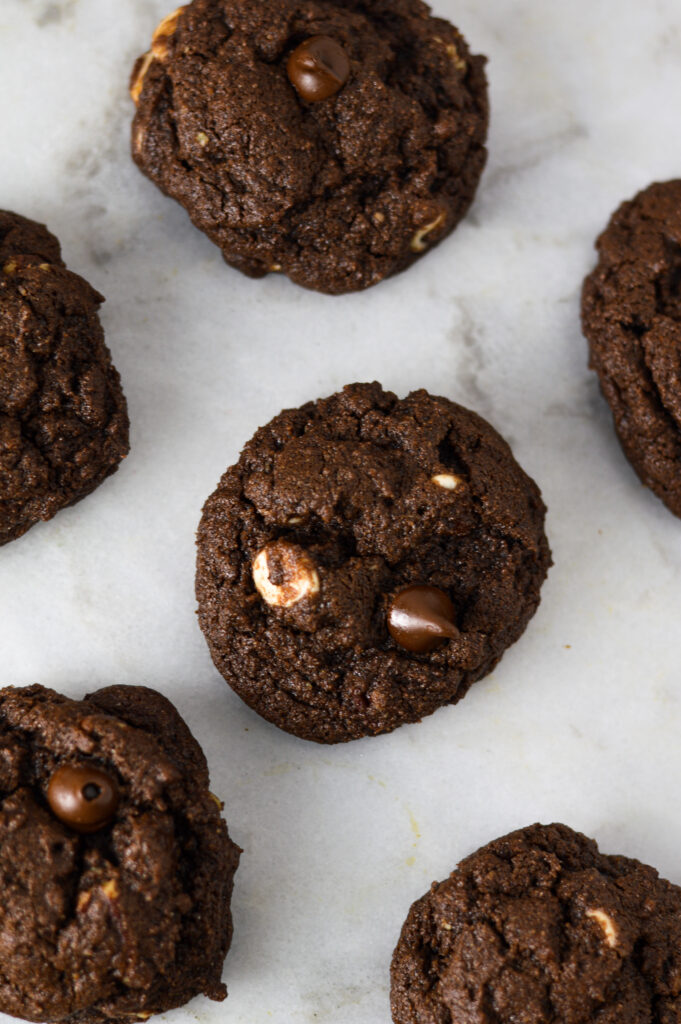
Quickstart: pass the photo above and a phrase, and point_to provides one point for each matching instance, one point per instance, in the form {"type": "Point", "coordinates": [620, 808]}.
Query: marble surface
{"type": "Point", "coordinates": [580, 722]}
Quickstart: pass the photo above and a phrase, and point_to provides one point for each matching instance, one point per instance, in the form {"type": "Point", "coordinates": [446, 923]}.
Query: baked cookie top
{"type": "Point", "coordinates": [539, 926]}
{"type": "Point", "coordinates": [332, 141]}
{"type": "Point", "coordinates": [631, 316]}
{"type": "Point", "coordinates": [63, 416]}
{"type": "Point", "coordinates": [116, 865]}
{"type": "Point", "coordinates": [366, 560]}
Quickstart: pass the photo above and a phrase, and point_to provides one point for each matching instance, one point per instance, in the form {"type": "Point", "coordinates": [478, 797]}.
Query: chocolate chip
{"type": "Point", "coordinates": [421, 618]}
{"type": "Point", "coordinates": [318, 68]}
{"type": "Point", "coordinates": [83, 797]}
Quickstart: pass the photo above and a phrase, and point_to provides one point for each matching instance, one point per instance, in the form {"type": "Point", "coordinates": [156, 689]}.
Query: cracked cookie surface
{"type": "Point", "coordinates": [539, 926]}
{"type": "Point", "coordinates": [129, 919]}
{"type": "Point", "coordinates": [338, 193]}
{"type": "Point", "coordinates": [631, 316]}
{"type": "Point", "coordinates": [331, 511]}
{"type": "Point", "coordinates": [63, 415]}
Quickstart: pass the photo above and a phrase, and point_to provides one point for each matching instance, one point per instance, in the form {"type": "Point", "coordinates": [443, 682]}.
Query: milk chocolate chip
{"type": "Point", "coordinates": [83, 797]}
{"type": "Point", "coordinates": [420, 618]}
{"type": "Point", "coordinates": [318, 68]}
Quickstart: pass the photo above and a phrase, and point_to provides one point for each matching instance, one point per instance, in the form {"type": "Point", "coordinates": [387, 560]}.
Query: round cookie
{"type": "Point", "coordinates": [334, 142]}
{"type": "Point", "coordinates": [63, 416]}
{"type": "Point", "coordinates": [539, 926]}
{"type": "Point", "coordinates": [117, 868]}
{"type": "Point", "coordinates": [631, 316]}
{"type": "Point", "coordinates": [316, 548]}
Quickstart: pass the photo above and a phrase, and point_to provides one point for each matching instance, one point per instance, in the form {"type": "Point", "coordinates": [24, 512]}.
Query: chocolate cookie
{"type": "Point", "coordinates": [366, 560]}
{"type": "Point", "coordinates": [631, 315]}
{"type": "Point", "coordinates": [116, 865]}
{"type": "Point", "coordinates": [536, 927]}
{"type": "Point", "coordinates": [63, 416]}
{"type": "Point", "coordinates": [332, 141]}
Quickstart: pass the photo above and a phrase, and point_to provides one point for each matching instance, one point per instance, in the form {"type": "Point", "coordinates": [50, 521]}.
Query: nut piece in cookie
{"type": "Point", "coordinates": [335, 142]}
{"type": "Point", "coordinates": [63, 416]}
{"type": "Point", "coordinates": [366, 560]}
{"type": "Point", "coordinates": [631, 316]}
{"type": "Point", "coordinates": [284, 574]}
{"type": "Point", "coordinates": [540, 926]}
{"type": "Point", "coordinates": [117, 867]}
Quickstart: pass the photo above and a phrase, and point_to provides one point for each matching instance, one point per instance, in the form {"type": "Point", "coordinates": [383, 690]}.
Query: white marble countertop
{"type": "Point", "coordinates": [581, 720]}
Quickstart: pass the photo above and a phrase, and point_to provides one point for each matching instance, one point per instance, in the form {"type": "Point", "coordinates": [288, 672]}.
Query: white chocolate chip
{"type": "Point", "coordinates": [136, 86]}
{"type": "Point", "coordinates": [378, 217]}
{"type": "Point", "coordinates": [446, 480]}
{"type": "Point", "coordinates": [275, 268]}
{"type": "Point", "coordinates": [9, 267]}
{"type": "Point", "coordinates": [300, 578]}
{"type": "Point", "coordinates": [607, 924]}
{"type": "Point", "coordinates": [417, 243]}
{"type": "Point", "coordinates": [159, 40]}
{"type": "Point", "coordinates": [202, 138]}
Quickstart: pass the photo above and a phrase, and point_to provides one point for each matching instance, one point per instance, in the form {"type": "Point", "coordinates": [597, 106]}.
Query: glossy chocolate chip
{"type": "Point", "coordinates": [83, 797]}
{"type": "Point", "coordinates": [421, 618]}
{"type": "Point", "coordinates": [318, 68]}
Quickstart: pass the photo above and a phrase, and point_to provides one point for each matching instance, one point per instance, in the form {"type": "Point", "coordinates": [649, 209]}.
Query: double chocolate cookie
{"type": "Point", "coordinates": [63, 416]}
{"type": "Point", "coordinates": [536, 927]}
{"type": "Point", "coordinates": [366, 560]}
{"type": "Point", "coordinates": [631, 315]}
{"type": "Point", "coordinates": [335, 142]}
{"type": "Point", "coordinates": [116, 866]}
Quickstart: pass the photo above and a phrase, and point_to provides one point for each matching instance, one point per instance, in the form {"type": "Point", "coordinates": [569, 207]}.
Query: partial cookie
{"type": "Point", "coordinates": [631, 316]}
{"type": "Point", "coordinates": [63, 416]}
{"type": "Point", "coordinates": [366, 560]}
{"type": "Point", "coordinates": [536, 927]}
{"type": "Point", "coordinates": [334, 142]}
{"type": "Point", "coordinates": [116, 866]}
